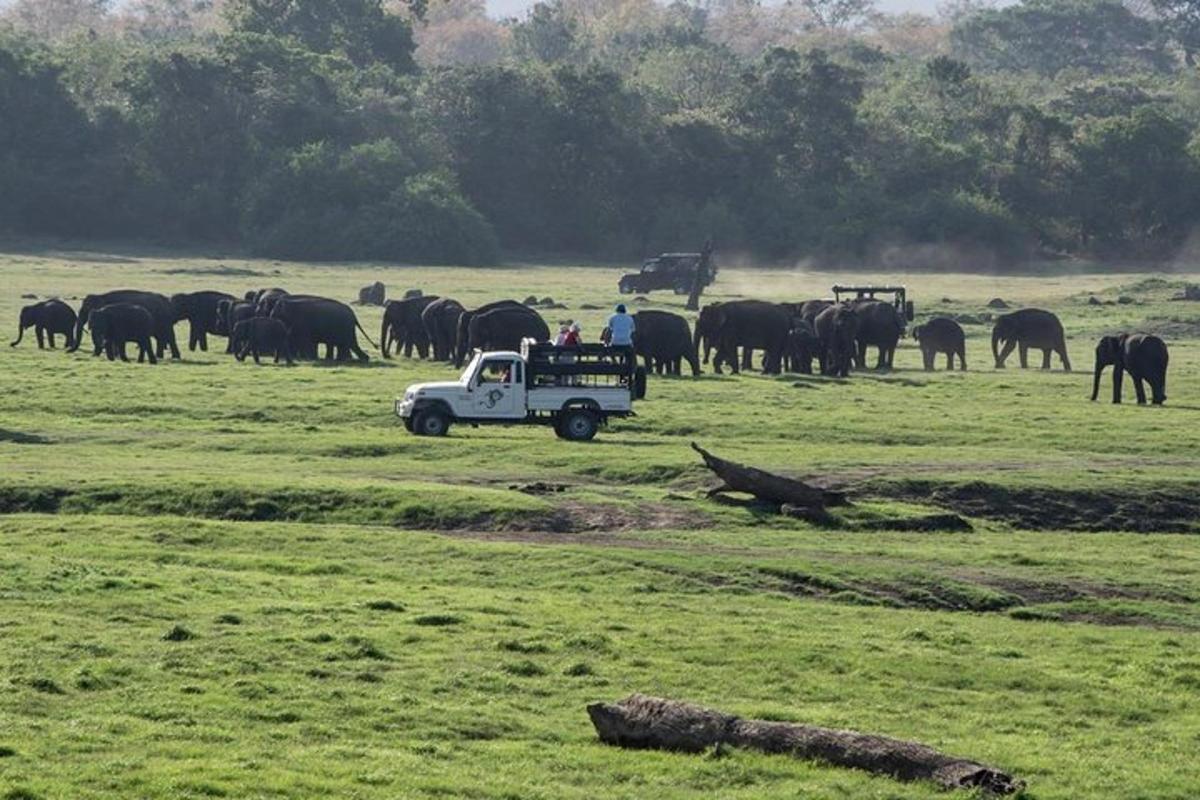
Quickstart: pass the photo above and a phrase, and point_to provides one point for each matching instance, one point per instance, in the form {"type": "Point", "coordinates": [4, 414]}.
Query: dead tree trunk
{"type": "Point", "coordinates": [768, 486]}
{"type": "Point", "coordinates": [640, 721]}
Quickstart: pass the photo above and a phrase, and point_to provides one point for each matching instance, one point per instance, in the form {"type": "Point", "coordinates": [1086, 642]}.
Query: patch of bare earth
{"type": "Point", "coordinates": [1172, 510]}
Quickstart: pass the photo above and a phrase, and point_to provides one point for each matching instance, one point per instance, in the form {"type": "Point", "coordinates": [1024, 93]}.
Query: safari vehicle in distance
{"type": "Point", "coordinates": [676, 271]}
{"type": "Point", "coordinates": [899, 297]}
{"type": "Point", "coordinates": [575, 390]}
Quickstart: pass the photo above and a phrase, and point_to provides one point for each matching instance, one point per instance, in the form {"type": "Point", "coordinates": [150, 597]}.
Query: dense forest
{"type": "Point", "coordinates": [422, 130]}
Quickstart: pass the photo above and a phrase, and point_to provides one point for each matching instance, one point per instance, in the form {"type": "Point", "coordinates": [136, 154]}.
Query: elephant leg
{"type": "Point", "coordinates": [1005, 352]}
{"type": "Point", "coordinates": [1062, 354]}
{"type": "Point", "coordinates": [121, 350]}
{"type": "Point", "coordinates": [1046, 359]}
{"type": "Point", "coordinates": [41, 342]}
{"type": "Point", "coordinates": [927, 358]}
{"type": "Point", "coordinates": [1140, 389]}
{"type": "Point", "coordinates": [145, 347]}
{"type": "Point", "coordinates": [256, 352]}
{"type": "Point", "coordinates": [949, 360]}
{"type": "Point", "coordinates": [359, 352]}
{"type": "Point", "coordinates": [50, 337]}
{"type": "Point", "coordinates": [204, 341]}
{"type": "Point", "coordinates": [1118, 379]}
{"type": "Point", "coordinates": [1024, 352]}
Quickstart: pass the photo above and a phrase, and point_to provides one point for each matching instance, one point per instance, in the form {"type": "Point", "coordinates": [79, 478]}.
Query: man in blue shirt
{"type": "Point", "coordinates": [621, 328]}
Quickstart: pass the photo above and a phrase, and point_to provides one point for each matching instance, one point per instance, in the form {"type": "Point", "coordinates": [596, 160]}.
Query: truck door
{"type": "Point", "coordinates": [499, 389]}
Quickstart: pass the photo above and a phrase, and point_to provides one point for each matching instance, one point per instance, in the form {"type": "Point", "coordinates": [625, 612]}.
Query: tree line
{"type": "Point", "coordinates": [423, 131]}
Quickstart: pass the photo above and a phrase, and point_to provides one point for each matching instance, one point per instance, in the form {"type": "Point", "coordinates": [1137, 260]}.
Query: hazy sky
{"type": "Point", "coordinates": [512, 8]}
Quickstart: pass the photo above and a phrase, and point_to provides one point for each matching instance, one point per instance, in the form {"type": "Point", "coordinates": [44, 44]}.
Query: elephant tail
{"type": "Point", "coordinates": [366, 336]}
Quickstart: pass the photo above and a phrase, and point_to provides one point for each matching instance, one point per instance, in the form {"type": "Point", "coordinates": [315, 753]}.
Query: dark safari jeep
{"type": "Point", "coordinates": [667, 271]}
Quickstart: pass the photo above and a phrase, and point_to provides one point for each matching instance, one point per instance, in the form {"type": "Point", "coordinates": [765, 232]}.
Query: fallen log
{"type": "Point", "coordinates": [640, 721]}
{"type": "Point", "coordinates": [767, 486]}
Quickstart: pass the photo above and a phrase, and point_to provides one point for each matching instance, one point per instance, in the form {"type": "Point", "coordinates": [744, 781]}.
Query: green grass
{"type": "Point", "coordinates": [222, 580]}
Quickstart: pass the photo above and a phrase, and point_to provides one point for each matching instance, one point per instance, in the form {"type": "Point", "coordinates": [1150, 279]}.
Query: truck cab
{"type": "Point", "coordinates": [575, 390]}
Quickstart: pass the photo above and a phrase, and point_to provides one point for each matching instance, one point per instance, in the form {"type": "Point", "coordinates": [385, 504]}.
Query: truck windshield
{"type": "Point", "coordinates": [472, 367]}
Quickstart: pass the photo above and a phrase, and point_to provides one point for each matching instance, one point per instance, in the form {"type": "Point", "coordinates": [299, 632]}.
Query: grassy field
{"type": "Point", "coordinates": [222, 580]}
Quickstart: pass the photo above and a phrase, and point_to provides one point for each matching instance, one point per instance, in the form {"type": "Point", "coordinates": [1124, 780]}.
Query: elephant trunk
{"type": "Point", "coordinates": [997, 337]}
{"type": "Point", "coordinates": [1096, 379]}
{"type": "Point", "coordinates": [20, 335]}
{"type": "Point", "coordinates": [80, 321]}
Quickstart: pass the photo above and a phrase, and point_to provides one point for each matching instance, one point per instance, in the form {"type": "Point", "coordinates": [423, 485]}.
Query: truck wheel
{"type": "Point", "coordinates": [431, 422]}
{"type": "Point", "coordinates": [578, 425]}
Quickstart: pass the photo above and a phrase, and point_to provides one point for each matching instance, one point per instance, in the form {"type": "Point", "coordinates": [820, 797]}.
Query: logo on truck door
{"type": "Point", "coordinates": [493, 397]}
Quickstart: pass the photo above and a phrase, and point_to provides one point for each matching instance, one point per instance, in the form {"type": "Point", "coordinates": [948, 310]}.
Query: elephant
{"type": "Point", "coordinates": [880, 325]}
{"type": "Point", "coordinates": [808, 309]}
{"type": "Point", "coordinates": [47, 318]}
{"type": "Point", "coordinates": [942, 335]}
{"type": "Point", "coordinates": [803, 345]}
{"type": "Point", "coordinates": [461, 332]}
{"type": "Point", "coordinates": [158, 306]}
{"type": "Point", "coordinates": [705, 333]}
{"type": "Point", "coordinates": [1145, 358]}
{"type": "Point", "coordinates": [402, 324]}
{"type": "Point", "coordinates": [200, 310]}
{"type": "Point", "coordinates": [750, 324]}
{"type": "Point", "coordinates": [373, 295]}
{"type": "Point", "coordinates": [313, 321]}
{"type": "Point", "coordinates": [837, 329]}
{"type": "Point", "coordinates": [1026, 328]}
{"type": "Point", "coordinates": [258, 335]}
{"type": "Point", "coordinates": [664, 341]}
{"type": "Point", "coordinates": [265, 299]}
{"type": "Point", "coordinates": [116, 324]}
{"type": "Point", "coordinates": [504, 329]}
{"type": "Point", "coordinates": [229, 314]}
{"type": "Point", "coordinates": [440, 319]}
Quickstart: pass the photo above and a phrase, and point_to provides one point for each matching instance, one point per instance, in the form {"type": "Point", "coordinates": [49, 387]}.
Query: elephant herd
{"type": "Point", "coordinates": [790, 336]}
{"type": "Point", "coordinates": [837, 335]}
{"type": "Point", "coordinates": [443, 329]}
{"type": "Point", "coordinates": [269, 322]}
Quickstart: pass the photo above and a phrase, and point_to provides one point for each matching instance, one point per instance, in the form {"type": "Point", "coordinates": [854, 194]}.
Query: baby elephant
{"type": "Point", "coordinates": [259, 335]}
{"type": "Point", "coordinates": [115, 325]}
{"type": "Point", "coordinates": [1143, 355]}
{"type": "Point", "coordinates": [942, 335]}
{"type": "Point", "coordinates": [47, 318]}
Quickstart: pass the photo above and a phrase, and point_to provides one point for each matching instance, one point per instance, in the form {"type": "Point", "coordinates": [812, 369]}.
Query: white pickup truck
{"type": "Point", "coordinates": [573, 389]}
